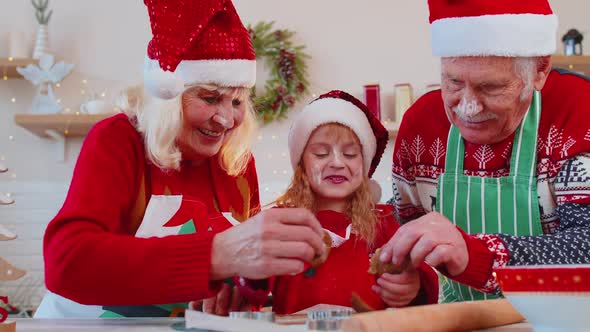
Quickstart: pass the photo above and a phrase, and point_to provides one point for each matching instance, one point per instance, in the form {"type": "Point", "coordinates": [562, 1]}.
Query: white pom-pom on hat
{"type": "Point", "coordinates": [163, 84]}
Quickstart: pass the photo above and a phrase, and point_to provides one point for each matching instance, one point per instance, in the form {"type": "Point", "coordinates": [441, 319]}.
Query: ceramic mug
{"type": "Point", "coordinates": [95, 107]}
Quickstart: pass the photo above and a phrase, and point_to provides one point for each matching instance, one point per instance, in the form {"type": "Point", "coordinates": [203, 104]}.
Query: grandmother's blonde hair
{"type": "Point", "coordinates": [361, 208]}
{"type": "Point", "coordinates": [160, 122]}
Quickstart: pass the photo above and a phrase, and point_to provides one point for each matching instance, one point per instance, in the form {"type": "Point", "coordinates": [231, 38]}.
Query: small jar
{"type": "Point", "coordinates": [255, 315]}
{"type": "Point", "coordinates": [330, 320]}
{"type": "Point", "coordinates": [404, 97]}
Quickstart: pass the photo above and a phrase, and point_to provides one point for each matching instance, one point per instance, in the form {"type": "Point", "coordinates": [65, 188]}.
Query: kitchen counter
{"type": "Point", "coordinates": [149, 325]}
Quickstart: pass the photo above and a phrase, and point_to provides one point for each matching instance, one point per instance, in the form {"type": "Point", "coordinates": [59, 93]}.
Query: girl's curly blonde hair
{"type": "Point", "coordinates": [361, 208]}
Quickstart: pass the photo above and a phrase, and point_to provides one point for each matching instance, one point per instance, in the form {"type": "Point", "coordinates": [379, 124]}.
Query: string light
{"type": "Point", "coordinates": [5, 78]}
{"type": "Point", "coordinates": [11, 138]}
{"type": "Point", "coordinates": [13, 100]}
{"type": "Point", "coordinates": [275, 172]}
{"type": "Point", "coordinates": [57, 85]}
{"type": "Point", "coordinates": [10, 59]}
{"type": "Point", "coordinates": [84, 81]}
{"type": "Point", "coordinates": [104, 94]}
{"type": "Point", "coordinates": [83, 91]}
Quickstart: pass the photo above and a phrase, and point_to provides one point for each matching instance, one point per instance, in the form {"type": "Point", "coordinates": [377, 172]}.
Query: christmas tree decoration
{"type": "Point", "coordinates": [288, 80]}
{"type": "Point", "coordinates": [42, 42]}
{"type": "Point", "coordinates": [6, 234]}
{"type": "Point", "coordinates": [8, 272]}
{"type": "Point", "coordinates": [45, 75]}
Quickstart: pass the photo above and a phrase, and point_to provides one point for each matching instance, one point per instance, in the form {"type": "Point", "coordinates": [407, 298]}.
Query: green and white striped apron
{"type": "Point", "coordinates": [476, 204]}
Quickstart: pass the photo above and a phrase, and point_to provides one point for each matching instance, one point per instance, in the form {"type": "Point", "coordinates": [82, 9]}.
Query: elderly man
{"type": "Point", "coordinates": [493, 169]}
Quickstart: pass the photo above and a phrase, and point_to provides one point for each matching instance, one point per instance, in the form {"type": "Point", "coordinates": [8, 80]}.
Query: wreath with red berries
{"type": "Point", "coordinates": [287, 82]}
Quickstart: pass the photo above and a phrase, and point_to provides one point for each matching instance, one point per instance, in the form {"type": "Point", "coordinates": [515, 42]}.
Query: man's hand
{"type": "Point", "coordinates": [431, 238]}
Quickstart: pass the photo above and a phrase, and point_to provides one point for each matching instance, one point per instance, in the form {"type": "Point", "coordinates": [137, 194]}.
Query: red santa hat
{"type": "Point", "coordinates": [513, 28]}
{"type": "Point", "coordinates": [340, 107]}
{"type": "Point", "coordinates": [196, 42]}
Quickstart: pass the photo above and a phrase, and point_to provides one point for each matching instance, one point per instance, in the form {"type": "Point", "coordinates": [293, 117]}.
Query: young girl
{"type": "Point", "coordinates": [335, 146]}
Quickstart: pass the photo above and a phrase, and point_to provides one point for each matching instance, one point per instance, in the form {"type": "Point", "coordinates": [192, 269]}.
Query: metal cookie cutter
{"type": "Point", "coordinates": [255, 315]}
{"type": "Point", "coordinates": [329, 320]}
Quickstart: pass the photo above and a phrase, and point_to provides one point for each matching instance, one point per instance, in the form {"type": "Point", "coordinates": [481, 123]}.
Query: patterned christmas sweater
{"type": "Point", "coordinates": [91, 253]}
{"type": "Point", "coordinates": [563, 178]}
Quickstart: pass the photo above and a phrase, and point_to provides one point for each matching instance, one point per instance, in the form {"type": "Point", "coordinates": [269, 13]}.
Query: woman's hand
{"type": "Point", "coordinates": [398, 290]}
{"type": "Point", "coordinates": [274, 242]}
{"type": "Point", "coordinates": [228, 299]}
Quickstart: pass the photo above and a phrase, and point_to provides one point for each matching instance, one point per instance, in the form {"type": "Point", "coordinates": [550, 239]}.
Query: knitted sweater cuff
{"type": "Point", "coordinates": [479, 267]}
{"type": "Point", "coordinates": [192, 270]}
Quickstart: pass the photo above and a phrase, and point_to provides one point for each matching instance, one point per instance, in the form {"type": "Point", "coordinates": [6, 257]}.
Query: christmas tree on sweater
{"type": "Point", "coordinates": [8, 272]}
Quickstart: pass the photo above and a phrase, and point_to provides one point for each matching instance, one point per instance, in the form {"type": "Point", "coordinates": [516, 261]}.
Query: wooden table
{"type": "Point", "coordinates": [147, 324]}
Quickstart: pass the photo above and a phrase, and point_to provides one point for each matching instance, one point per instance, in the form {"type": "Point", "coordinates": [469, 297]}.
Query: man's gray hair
{"type": "Point", "coordinates": [526, 68]}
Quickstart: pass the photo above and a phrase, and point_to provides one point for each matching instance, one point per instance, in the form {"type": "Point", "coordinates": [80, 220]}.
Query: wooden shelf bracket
{"type": "Point", "coordinates": [60, 144]}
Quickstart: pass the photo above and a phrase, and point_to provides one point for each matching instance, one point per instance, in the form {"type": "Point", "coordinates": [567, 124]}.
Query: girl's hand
{"type": "Point", "coordinates": [398, 290]}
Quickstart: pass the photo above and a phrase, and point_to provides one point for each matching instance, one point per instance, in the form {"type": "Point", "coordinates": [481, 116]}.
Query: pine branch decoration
{"type": "Point", "coordinates": [288, 81]}
{"type": "Point", "coordinates": [40, 8]}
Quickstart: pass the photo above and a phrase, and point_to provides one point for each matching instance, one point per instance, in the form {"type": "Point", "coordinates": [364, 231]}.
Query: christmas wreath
{"type": "Point", "coordinates": [287, 82]}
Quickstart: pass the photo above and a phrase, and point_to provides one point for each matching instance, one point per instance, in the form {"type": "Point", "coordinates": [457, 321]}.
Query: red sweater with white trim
{"type": "Point", "coordinates": [345, 271]}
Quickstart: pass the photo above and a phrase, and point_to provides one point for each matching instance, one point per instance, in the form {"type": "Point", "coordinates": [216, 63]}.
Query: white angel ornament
{"type": "Point", "coordinates": [45, 75]}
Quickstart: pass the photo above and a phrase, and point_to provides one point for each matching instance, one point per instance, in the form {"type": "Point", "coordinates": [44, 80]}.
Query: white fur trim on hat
{"type": "Point", "coordinates": [331, 110]}
{"type": "Point", "coordinates": [227, 73]}
{"type": "Point", "coordinates": [162, 84]}
{"type": "Point", "coordinates": [513, 35]}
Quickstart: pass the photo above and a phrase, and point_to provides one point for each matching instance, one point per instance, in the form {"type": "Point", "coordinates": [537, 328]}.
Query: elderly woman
{"type": "Point", "coordinates": [498, 173]}
{"type": "Point", "coordinates": [156, 190]}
